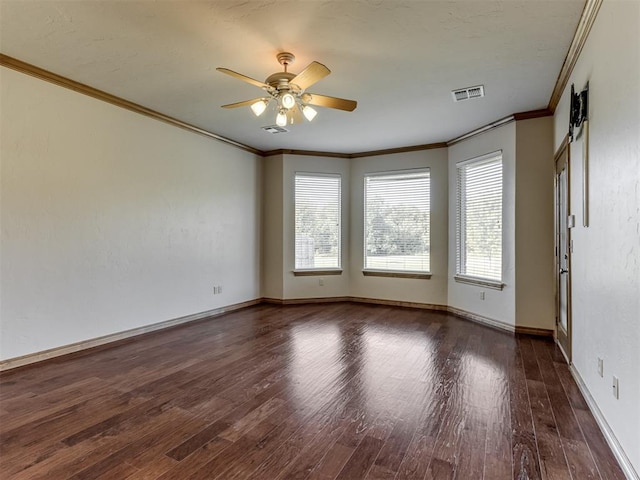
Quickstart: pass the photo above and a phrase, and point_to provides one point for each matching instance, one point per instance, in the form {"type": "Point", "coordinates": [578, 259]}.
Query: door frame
{"type": "Point", "coordinates": [563, 155]}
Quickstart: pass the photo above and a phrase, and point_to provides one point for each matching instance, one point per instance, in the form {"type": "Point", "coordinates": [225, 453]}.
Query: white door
{"type": "Point", "coordinates": [563, 252]}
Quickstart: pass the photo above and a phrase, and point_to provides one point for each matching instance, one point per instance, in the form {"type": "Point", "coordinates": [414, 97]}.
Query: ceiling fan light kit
{"type": "Point", "coordinates": [259, 107]}
{"type": "Point", "coordinates": [288, 90]}
{"type": "Point", "coordinates": [281, 118]}
{"type": "Point", "coordinates": [287, 101]}
{"type": "Point", "coordinates": [309, 112]}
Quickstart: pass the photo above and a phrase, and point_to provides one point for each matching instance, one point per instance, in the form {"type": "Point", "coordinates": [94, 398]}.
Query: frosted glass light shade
{"type": "Point", "coordinates": [259, 107]}
{"type": "Point", "coordinates": [281, 118]}
{"type": "Point", "coordinates": [287, 100]}
{"type": "Point", "coordinates": [308, 112]}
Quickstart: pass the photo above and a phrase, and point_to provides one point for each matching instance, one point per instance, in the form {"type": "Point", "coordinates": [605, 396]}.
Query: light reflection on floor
{"type": "Point", "coordinates": [315, 364]}
{"type": "Point", "coordinates": [391, 370]}
{"type": "Point", "coordinates": [377, 361]}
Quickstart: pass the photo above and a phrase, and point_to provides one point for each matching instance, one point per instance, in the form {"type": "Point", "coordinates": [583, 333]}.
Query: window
{"type": "Point", "coordinates": [317, 218]}
{"type": "Point", "coordinates": [397, 221]}
{"type": "Point", "coordinates": [479, 218]}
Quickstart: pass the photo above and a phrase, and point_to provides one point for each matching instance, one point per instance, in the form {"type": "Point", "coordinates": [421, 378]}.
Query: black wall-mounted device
{"type": "Point", "coordinates": [578, 109]}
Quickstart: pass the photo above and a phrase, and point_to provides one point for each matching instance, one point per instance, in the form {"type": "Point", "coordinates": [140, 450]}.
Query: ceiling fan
{"type": "Point", "coordinates": [288, 90]}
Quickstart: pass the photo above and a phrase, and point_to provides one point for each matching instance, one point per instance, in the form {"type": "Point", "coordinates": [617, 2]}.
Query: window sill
{"type": "Point", "coordinates": [479, 282]}
{"type": "Point", "coordinates": [317, 272]}
{"type": "Point", "coordinates": [387, 273]}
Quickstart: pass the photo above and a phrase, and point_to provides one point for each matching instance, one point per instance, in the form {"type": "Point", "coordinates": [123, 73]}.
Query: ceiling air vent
{"type": "Point", "coordinates": [468, 93]}
{"type": "Point", "coordinates": [275, 129]}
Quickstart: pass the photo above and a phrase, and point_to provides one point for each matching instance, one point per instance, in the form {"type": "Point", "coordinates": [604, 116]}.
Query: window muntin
{"type": "Point", "coordinates": [397, 221]}
{"type": "Point", "coordinates": [479, 218]}
{"type": "Point", "coordinates": [318, 201]}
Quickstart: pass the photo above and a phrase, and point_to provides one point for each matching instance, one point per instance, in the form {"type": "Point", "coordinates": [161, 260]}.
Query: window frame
{"type": "Point", "coordinates": [318, 270]}
{"type": "Point", "coordinates": [383, 272]}
{"type": "Point", "coordinates": [460, 235]}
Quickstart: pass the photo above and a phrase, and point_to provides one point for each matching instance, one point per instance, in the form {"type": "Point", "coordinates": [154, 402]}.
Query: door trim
{"type": "Point", "coordinates": [564, 344]}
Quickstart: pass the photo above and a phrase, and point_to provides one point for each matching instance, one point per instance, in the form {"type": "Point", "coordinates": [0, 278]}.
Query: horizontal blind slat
{"type": "Point", "coordinates": [317, 221]}
{"type": "Point", "coordinates": [397, 221]}
{"type": "Point", "coordinates": [479, 219]}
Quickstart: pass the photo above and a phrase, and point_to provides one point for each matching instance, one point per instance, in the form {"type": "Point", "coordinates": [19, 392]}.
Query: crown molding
{"type": "Point", "coordinates": [588, 17]}
{"type": "Point", "coordinates": [390, 151]}
{"type": "Point", "coordinates": [313, 153]}
{"type": "Point", "coordinates": [543, 112]}
{"type": "Point", "coordinates": [371, 153]}
{"type": "Point", "coordinates": [478, 131]}
{"type": "Point", "coordinates": [42, 74]}
{"type": "Point", "coordinates": [82, 88]}
{"type": "Point", "coordinates": [529, 114]}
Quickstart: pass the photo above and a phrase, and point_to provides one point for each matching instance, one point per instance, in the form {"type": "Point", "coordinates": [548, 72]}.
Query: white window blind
{"type": "Point", "coordinates": [317, 219]}
{"type": "Point", "coordinates": [479, 218]}
{"type": "Point", "coordinates": [397, 221]}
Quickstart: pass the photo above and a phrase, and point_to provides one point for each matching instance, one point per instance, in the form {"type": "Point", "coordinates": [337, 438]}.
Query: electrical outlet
{"type": "Point", "coordinates": [600, 367]}
{"type": "Point", "coordinates": [219, 289]}
{"type": "Point", "coordinates": [481, 295]}
{"type": "Point", "coordinates": [616, 387]}
{"type": "Point", "coordinates": [321, 282]}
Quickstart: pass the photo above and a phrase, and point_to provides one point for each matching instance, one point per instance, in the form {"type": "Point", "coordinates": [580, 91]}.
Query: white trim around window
{"type": "Point", "coordinates": [318, 220]}
{"type": "Point", "coordinates": [397, 223]}
{"type": "Point", "coordinates": [479, 219]}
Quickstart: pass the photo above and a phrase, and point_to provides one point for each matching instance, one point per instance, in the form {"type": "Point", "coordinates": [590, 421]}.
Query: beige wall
{"type": "Point", "coordinates": [527, 299]}
{"type": "Point", "coordinates": [605, 278]}
{"type": "Point", "coordinates": [112, 221]}
{"type": "Point", "coordinates": [272, 278]}
{"type": "Point", "coordinates": [130, 200]}
{"type": "Point", "coordinates": [535, 274]}
{"type": "Point", "coordinates": [498, 304]}
{"type": "Point", "coordinates": [432, 291]}
{"type": "Point", "coordinates": [527, 233]}
{"type": "Point", "coordinates": [278, 229]}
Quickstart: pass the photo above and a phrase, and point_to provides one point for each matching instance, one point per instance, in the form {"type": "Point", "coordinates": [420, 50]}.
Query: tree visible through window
{"type": "Point", "coordinates": [397, 221]}
{"type": "Point", "coordinates": [479, 218]}
{"type": "Point", "coordinates": [317, 220]}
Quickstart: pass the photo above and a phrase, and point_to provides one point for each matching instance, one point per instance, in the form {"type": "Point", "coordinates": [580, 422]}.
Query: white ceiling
{"type": "Point", "coordinates": [399, 59]}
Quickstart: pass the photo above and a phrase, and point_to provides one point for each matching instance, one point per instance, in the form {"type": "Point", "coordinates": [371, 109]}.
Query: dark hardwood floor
{"type": "Point", "coordinates": [328, 391]}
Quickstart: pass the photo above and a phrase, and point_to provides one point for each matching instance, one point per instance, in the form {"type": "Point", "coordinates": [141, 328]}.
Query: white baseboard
{"type": "Point", "coordinates": [474, 317]}
{"type": "Point", "coordinates": [16, 362]}
{"type": "Point", "coordinates": [609, 436]}
{"type": "Point", "coordinates": [458, 312]}
{"type": "Point", "coordinates": [28, 359]}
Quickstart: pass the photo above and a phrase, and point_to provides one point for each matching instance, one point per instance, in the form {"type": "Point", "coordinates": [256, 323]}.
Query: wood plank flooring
{"type": "Point", "coordinates": [330, 391]}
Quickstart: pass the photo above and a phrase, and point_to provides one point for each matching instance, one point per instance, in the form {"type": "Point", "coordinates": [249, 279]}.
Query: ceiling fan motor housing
{"type": "Point", "coordinates": [280, 80]}
{"type": "Point", "coordinates": [281, 87]}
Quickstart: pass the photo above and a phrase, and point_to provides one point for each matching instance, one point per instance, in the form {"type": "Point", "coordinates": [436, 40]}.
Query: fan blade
{"type": "Point", "coordinates": [330, 102]}
{"type": "Point", "coordinates": [242, 104]}
{"type": "Point", "coordinates": [313, 73]}
{"type": "Point", "coordinates": [244, 78]}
